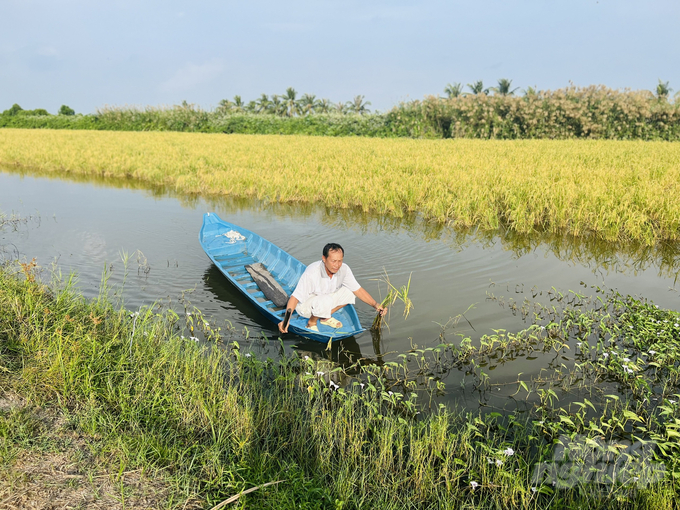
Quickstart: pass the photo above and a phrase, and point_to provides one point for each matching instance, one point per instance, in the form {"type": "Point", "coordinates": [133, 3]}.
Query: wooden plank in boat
{"type": "Point", "coordinates": [268, 285]}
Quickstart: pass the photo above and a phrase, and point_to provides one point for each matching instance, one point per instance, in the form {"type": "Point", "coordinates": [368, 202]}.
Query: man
{"type": "Point", "coordinates": [325, 287]}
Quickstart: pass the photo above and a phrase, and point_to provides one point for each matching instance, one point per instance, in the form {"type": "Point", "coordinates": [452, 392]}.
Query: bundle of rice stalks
{"type": "Point", "coordinates": [393, 295]}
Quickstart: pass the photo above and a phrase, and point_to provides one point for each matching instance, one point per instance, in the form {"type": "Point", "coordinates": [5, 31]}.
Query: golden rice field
{"type": "Point", "coordinates": [615, 190]}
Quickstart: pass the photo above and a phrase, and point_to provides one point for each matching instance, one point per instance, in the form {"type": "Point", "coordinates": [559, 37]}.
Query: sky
{"type": "Point", "coordinates": [90, 54]}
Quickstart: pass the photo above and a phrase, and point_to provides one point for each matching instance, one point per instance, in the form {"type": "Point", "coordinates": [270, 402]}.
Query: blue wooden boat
{"type": "Point", "coordinates": [232, 248]}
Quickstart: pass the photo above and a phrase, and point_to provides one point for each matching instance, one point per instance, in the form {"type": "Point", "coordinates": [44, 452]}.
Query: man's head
{"type": "Point", "coordinates": [332, 257]}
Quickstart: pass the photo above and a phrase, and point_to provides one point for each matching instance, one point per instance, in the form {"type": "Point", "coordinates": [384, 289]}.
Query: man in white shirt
{"type": "Point", "coordinates": [325, 287]}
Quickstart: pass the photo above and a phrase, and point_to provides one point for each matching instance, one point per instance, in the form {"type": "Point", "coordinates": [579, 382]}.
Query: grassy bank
{"type": "Point", "coordinates": [616, 191]}
{"type": "Point", "coordinates": [208, 421]}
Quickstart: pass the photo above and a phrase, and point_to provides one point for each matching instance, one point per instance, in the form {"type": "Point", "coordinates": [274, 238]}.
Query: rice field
{"type": "Point", "coordinates": [611, 190]}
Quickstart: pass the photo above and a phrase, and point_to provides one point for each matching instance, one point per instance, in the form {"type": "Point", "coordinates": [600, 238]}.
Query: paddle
{"type": "Point", "coordinates": [286, 318]}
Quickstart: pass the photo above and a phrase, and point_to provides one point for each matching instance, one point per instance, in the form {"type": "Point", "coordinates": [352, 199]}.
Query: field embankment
{"type": "Point", "coordinates": [611, 190]}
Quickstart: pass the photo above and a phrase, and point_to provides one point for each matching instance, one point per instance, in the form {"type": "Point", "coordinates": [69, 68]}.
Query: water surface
{"type": "Point", "coordinates": [85, 225]}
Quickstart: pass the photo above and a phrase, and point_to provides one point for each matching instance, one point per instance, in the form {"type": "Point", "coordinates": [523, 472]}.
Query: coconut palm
{"type": "Point", "coordinates": [276, 107]}
{"type": "Point", "coordinates": [308, 104]}
{"type": "Point", "coordinates": [478, 88]}
{"type": "Point", "coordinates": [225, 106]}
{"type": "Point", "coordinates": [340, 107]}
{"type": "Point", "coordinates": [453, 90]}
{"type": "Point", "coordinates": [263, 104]}
{"type": "Point", "coordinates": [324, 106]}
{"type": "Point", "coordinates": [358, 105]}
{"type": "Point", "coordinates": [663, 90]}
{"type": "Point", "coordinates": [503, 88]}
{"type": "Point", "coordinates": [237, 104]}
{"type": "Point", "coordinates": [291, 106]}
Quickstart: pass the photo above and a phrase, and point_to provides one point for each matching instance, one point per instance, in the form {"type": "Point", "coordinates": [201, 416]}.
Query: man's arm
{"type": "Point", "coordinates": [292, 303]}
{"type": "Point", "coordinates": [366, 298]}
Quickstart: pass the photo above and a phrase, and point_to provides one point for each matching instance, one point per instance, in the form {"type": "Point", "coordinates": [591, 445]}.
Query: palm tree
{"type": "Point", "coordinates": [308, 104]}
{"type": "Point", "coordinates": [324, 106]}
{"type": "Point", "coordinates": [478, 88]}
{"type": "Point", "coordinates": [340, 107]}
{"type": "Point", "coordinates": [358, 105]}
{"type": "Point", "coordinates": [291, 106]}
{"type": "Point", "coordinates": [277, 107]}
{"type": "Point", "coordinates": [503, 88]}
{"type": "Point", "coordinates": [663, 90]}
{"type": "Point", "coordinates": [263, 104]}
{"type": "Point", "coordinates": [238, 104]}
{"type": "Point", "coordinates": [453, 90]}
{"type": "Point", "coordinates": [225, 105]}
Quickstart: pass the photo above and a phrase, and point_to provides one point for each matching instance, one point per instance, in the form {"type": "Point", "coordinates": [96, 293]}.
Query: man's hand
{"type": "Point", "coordinates": [382, 310]}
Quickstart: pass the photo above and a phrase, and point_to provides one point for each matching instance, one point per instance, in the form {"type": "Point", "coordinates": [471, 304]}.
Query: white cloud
{"type": "Point", "coordinates": [191, 75]}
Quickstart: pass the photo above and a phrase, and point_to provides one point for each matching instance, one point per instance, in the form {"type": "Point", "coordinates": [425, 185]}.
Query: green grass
{"type": "Point", "coordinates": [212, 419]}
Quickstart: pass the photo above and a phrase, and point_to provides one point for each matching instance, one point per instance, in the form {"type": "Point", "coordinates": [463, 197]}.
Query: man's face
{"type": "Point", "coordinates": [333, 261]}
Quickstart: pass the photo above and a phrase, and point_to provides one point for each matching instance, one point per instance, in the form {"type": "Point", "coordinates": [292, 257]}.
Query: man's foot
{"type": "Point", "coordinates": [313, 327]}
{"type": "Point", "coordinates": [331, 322]}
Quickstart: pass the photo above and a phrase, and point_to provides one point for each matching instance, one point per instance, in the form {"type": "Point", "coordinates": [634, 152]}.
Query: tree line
{"type": "Point", "coordinates": [499, 112]}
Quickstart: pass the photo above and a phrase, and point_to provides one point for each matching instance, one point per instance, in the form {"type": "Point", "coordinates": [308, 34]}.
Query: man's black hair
{"type": "Point", "coordinates": [332, 247]}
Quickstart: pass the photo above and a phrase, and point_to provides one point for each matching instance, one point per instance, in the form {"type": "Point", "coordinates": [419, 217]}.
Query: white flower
{"type": "Point", "coordinates": [308, 373]}
{"type": "Point", "coordinates": [578, 344]}
{"type": "Point", "coordinates": [626, 360]}
{"type": "Point", "coordinates": [333, 385]}
{"type": "Point", "coordinates": [499, 462]}
{"type": "Point", "coordinates": [390, 393]}
{"type": "Point", "coordinates": [628, 370]}
{"type": "Point", "coordinates": [306, 358]}
{"type": "Point", "coordinates": [541, 422]}
{"type": "Point", "coordinates": [676, 325]}
{"type": "Point", "coordinates": [489, 460]}
{"type": "Point", "coordinates": [188, 314]}
{"type": "Point", "coordinates": [651, 352]}
{"type": "Point", "coordinates": [533, 489]}
{"type": "Point", "coordinates": [605, 355]}
{"type": "Point", "coordinates": [194, 339]}
{"type": "Point", "coordinates": [509, 452]}
{"type": "Point", "coordinates": [630, 327]}
{"type": "Point", "coordinates": [474, 485]}
{"type": "Point", "coordinates": [362, 385]}
{"type": "Point", "coordinates": [319, 373]}
{"type": "Point", "coordinates": [672, 401]}
{"type": "Point", "coordinates": [248, 355]}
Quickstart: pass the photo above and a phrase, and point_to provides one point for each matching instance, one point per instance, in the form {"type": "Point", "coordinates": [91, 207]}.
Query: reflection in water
{"type": "Point", "coordinates": [586, 250]}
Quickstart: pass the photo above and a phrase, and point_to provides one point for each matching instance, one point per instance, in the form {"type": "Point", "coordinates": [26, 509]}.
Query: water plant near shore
{"type": "Point", "coordinates": [215, 419]}
{"type": "Point", "coordinates": [614, 191]}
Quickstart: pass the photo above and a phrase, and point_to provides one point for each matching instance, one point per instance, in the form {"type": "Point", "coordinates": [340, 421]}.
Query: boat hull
{"type": "Point", "coordinates": [231, 248]}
